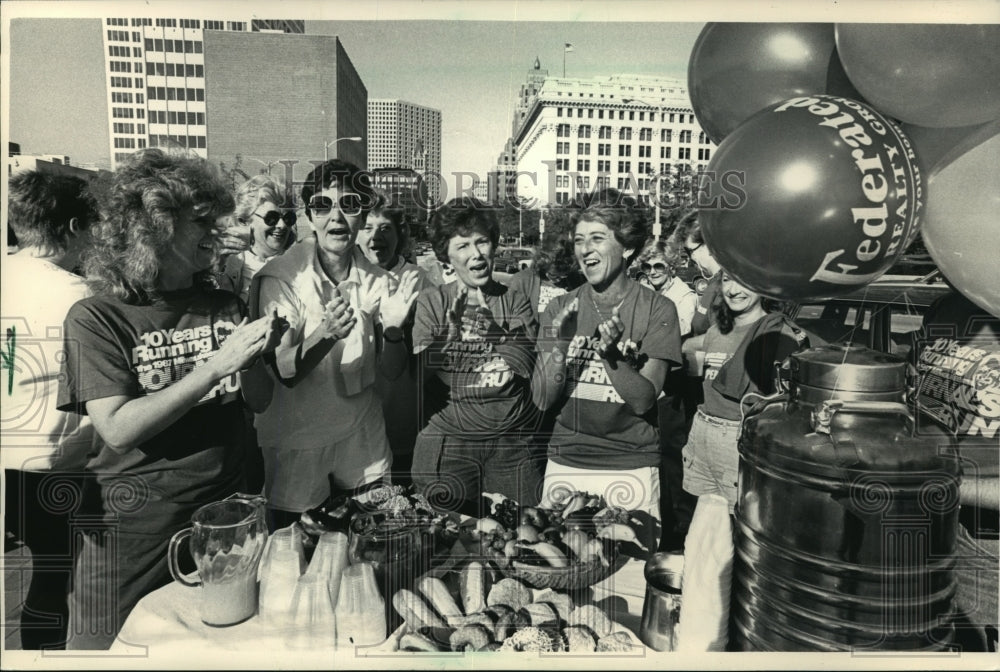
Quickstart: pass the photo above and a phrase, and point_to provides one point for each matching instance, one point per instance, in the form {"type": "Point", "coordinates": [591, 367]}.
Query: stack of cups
{"type": "Point", "coordinates": [283, 563]}
{"type": "Point", "coordinates": [313, 620]}
{"type": "Point", "coordinates": [360, 609]}
{"type": "Point", "coordinates": [329, 561]}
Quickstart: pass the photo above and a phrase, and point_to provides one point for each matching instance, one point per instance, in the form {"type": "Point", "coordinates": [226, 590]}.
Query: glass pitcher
{"type": "Point", "coordinates": [226, 541]}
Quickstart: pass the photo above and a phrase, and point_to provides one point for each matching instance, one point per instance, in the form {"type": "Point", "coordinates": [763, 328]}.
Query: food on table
{"type": "Point", "coordinates": [541, 614]}
{"type": "Point", "coordinates": [550, 552]}
{"type": "Point", "coordinates": [578, 639]}
{"type": "Point", "coordinates": [510, 592]}
{"type": "Point", "coordinates": [470, 638]}
{"type": "Point", "coordinates": [508, 624]}
{"type": "Point", "coordinates": [593, 617]}
{"type": "Point", "coordinates": [472, 586]}
{"type": "Point", "coordinates": [618, 641]}
{"type": "Point", "coordinates": [414, 641]}
{"type": "Point", "coordinates": [562, 602]}
{"type": "Point", "coordinates": [415, 611]}
{"type": "Point", "coordinates": [620, 532]}
{"type": "Point", "coordinates": [531, 639]}
{"type": "Point", "coordinates": [492, 646]}
{"type": "Point", "coordinates": [440, 597]}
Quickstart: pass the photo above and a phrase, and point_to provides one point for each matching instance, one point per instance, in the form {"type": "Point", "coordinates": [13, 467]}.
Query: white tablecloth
{"type": "Point", "coordinates": [168, 620]}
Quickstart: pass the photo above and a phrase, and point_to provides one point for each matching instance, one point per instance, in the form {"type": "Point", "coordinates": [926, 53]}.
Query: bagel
{"type": "Point", "coordinates": [511, 592]}
{"type": "Point", "coordinates": [470, 638]}
{"type": "Point", "coordinates": [592, 617]}
{"type": "Point", "coordinates": [578, 638]}
{"type": "Point", "coordinates": [618, 641]}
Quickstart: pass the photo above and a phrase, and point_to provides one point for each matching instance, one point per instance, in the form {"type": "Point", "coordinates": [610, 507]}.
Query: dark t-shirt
{"type": "Point", "coordinates": [538, 291]}
{"type": "Point", "coordinates": [487, 396]}
{"type": "Point", "coordinates": [719, 348]}
{"type": "Point", "coordinates": [114, 348]}
{"type": "Point", "coordinates": [595, 428]}
{"type": "Point", "coordinates": [957, 356]}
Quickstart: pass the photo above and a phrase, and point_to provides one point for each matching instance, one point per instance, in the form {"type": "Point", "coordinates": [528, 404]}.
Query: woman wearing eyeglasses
{"type": "Point", "coordinates": [688, 237]}
{"type": "Point", "coordinates": [258, 205]}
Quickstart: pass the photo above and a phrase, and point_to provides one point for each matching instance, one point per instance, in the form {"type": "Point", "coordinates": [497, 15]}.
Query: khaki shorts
{"type": "Point", "coordinates": [711, 457]}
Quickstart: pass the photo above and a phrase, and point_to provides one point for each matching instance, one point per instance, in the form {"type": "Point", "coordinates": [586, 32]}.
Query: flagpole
{"type": "Point", "coordinates": [564, 62]}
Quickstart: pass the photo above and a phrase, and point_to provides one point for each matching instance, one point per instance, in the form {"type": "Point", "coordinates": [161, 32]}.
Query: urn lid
{"type": "Point", "coordinates": [848, 368]}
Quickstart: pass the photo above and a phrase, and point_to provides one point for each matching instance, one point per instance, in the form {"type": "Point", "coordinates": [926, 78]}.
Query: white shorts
{"type": "Point", "coordinates": [298, 479]}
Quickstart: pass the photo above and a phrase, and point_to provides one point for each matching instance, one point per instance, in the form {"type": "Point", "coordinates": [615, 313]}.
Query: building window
{"type": "Point", "coordinates": [671, 117]}
{"type": "Point", "coordinates": [559, 112]}
{"type": "Point", "coordinates": [583, 132]}
{"type": "Point", "coordinates": [141, 114]}
{"type": "Point", "coordinates": [624, 166]}
{"type": "Point", "coordinates": [645, 151]}
{"type": "Point", "coordinates": [583, 165]}
{"type": "Point", "coordinates": [583, 148]}
{"type": "Point", "coordinates": [158, 44]}
{"type": "Point", "coordinates": [664, 152]}
{"type": "Point", "coordinates": [562, 164]}
{"type": "Point", "coordinates": [645, 135]}
{"type": "Point", "coordinates": [604, 133]}
{"type": "Point", "coordinates": [704, 154]}
{"type": "Point", "coordinates": [685, 137]}
{"type": "Point", "coordinates": [603, 149]}
{"type": "Point", "coordinates": [684, 153]}
{"type": "Point", "coordinates": [666, 135]}
{"type": "Point", "coordinates": [562, 148]}
{"type": "Point", "coordinates": [624, 150]}
{"type": "Point", "coordinates": [149, 44]}
{"type": "Point", "coordinates": [562, 131]}
{"type": "Point", "coordinates": [625, 134]}
{"type": "Point", "coordinates": [562, 197]}
{"type": "Point", "coordinates": [603, 166]}
{"type": "Point", "coordinates": [590, 114]}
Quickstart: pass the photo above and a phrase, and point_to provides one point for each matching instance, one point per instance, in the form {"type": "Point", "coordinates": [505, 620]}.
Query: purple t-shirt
{"type": "Point", "coordinates": [114, 348]}
{"type": "Point", "coordinates": [595, 428]}
{"type": "Point", "coordinates": [487, 397]}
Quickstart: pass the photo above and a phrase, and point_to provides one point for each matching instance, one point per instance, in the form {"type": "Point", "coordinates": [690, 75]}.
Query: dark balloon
{"type": "Point", "coordinates": [934, 75]}
{"type": "Point", "coordinates": [938, 147]}
{"type": "Point", "coordinates": [961, 228]}
{"type": "Point", "coordinates": [738, 69]}
{"type": "Point", "coordinates": [831, 196]}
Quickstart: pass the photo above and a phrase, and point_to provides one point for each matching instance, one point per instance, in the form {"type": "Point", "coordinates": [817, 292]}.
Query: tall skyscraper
{"type": "Point", "coordinates": [619, 131]}
{"type": "Point", "coordinates": [405, 135]}
{"type": "Point", "coordinates": [156, 78]}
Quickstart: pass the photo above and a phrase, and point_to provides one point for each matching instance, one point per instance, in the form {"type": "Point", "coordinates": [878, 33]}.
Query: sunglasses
{"type": "Point", "coordinates": [692, 250]}
{"type": "Point", "coordinates": [658, 267]}
{"type": "Point", "coordinates": [348, 204]}
{"type": "Point", "coordinates": [271, 218]}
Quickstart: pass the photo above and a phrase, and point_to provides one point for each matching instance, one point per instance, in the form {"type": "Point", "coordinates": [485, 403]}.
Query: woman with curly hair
{"type": "Point", "coordinates": [157, 359]}
{"type": "Point", "coordinates": [604, 352]}
{"type": "Point", "coordinates": [258, 205]}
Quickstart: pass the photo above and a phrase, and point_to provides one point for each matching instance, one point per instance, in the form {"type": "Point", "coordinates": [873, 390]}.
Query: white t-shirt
{"type": "Point", "coordinates": [37, 294]}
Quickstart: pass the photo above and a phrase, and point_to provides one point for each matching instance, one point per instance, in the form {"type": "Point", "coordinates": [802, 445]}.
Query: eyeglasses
{"type": "Point", "coordinates": [658, 267]}
{"type": "Point", "coordinates": [271, 218]}
{"type": "Point", "coordinates": [348, 204]}
{"type": "Point", "coordinates": [691, 250]}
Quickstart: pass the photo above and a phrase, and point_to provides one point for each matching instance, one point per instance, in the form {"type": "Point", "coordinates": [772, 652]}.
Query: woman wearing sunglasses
{"type": "Point", "coordinates": [658, 263]}
{"type": "Point", "coordinates": [258, 205]}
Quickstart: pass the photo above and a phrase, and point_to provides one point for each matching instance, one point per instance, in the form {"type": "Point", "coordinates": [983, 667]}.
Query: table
{"type": "Point", "coordinates": [168, 620]}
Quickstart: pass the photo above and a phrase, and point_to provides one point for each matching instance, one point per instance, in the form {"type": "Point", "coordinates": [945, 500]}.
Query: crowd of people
{"type": "Point", "coordinates": [210, 344]}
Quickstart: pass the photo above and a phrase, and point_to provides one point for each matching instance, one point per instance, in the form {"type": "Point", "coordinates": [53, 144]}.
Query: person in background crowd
{"type": "Point", "coordinates": [687, 236]}
{"type": "Point", "coordinates": [157, 359]}
{"type": "Point", "coordinates": [657, 262]}
{"type": "Point", "coordinates": [553, 273]}
{"type": "Point", "coordinates": [45, 450]}
{"type": "Point", "coordinates": [604, 352]}
{"type": "Point", "coordinates": [476, 335]}
{"type": "Point", "coordinates": [959, 402]}
{"type": "Point", "coordinates": [382, 239]}
{"type": "Point", "coordinates": [735, 357]}
{"type": "Point", "coordinates": [324, 424]}
{"type": "Point", "coordinates": [259, 203]}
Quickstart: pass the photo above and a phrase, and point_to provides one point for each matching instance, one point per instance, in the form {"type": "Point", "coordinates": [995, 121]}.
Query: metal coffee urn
{"type": "Point", "coordinates": [847, 516]}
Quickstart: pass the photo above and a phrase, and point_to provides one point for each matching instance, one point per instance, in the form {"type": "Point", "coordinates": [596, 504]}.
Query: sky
{"type": "Point", "coordinates": [438, 53]}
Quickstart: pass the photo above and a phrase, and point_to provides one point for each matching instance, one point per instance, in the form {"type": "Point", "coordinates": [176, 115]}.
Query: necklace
{"type": "Point", "coordinates": [600, 314]}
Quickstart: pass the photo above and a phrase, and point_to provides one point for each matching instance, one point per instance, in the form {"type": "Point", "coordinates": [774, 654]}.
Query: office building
{"type": "Point", "coordinates": [618, 131]}
{"type": "Point", "coordinates": [405, 135]}
{"type": "Point", "coordinates": [155, 69]}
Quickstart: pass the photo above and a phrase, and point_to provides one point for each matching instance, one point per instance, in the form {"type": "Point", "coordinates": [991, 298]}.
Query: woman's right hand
{"type": "Point", "coordinates": [564, 324]}
{"type": "Point", "coordinates": [246, 343]}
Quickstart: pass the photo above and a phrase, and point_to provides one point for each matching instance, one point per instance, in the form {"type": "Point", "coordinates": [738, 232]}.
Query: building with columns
{"type": "Point", "coordinates": [620, 131]}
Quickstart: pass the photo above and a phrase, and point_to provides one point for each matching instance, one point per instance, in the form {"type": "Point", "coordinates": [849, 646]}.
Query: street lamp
{"type": "Point", "coordinates": [657, 227]}
{"type": "Point", "coordinates": [326, 146]}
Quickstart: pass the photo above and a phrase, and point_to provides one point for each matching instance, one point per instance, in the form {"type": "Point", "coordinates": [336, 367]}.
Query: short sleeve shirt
{"type": "Point", "coordinates": [595, 428]}
{"type": "Point", "coordinates": [487, 397]}
{"type": "Point", "coordinates": [119, 349]}
{"type": "Point", "coordinates": [719, 349]}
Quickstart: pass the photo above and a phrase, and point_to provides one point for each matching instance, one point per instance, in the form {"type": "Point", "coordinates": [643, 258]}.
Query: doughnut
{"type": "Point", "coordinates": [579, 638]}
{"type": "Point", "coordinates": [592, 617]}
{"type": "Point", "coordinates": [619, 641]}
{"type": "Point", "coordinates": [511, 592]}
{"type": "Point", "coordinates": [530, 639]}
{"type": "Point", "coordinates": [470, 638]}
